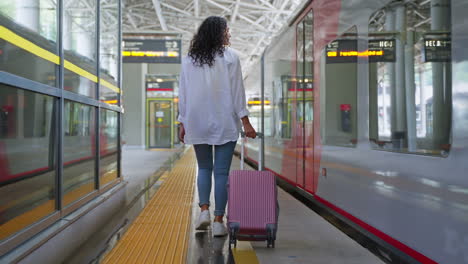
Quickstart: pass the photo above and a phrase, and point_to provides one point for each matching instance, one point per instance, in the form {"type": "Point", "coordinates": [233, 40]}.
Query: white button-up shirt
{"type": "Point", "coordinates": [212, 100]}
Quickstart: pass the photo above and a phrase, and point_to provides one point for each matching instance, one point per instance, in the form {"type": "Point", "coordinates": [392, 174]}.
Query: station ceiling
{"type": "Point", "coordinates": [253, 23]}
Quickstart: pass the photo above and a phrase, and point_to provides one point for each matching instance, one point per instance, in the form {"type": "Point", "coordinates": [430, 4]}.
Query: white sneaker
{"type": "Point", "coordinates": [219, 229]}
{"type": "Point", "coordinates": [203, 220]}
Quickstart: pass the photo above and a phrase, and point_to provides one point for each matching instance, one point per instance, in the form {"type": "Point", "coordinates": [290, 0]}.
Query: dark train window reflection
{"type": "Point", "coordinates": [339, 118]}
{"type": "Point", "coordinates": [79, 151]}
{"type": "Point", "coordinates": [29, 21]}
{"type": "Point", "coordinates": [108, 135]}
{"type": "Point", "coordinates": [27, 168]}
{"type": "Point", "coordinates": [278, 84]}
{"type": "Point", "coordinates": [109, 39]}
{"type": "Point", "coordinates": [79, 43]}
{"type": "Point", "coordinates": [410, 93]}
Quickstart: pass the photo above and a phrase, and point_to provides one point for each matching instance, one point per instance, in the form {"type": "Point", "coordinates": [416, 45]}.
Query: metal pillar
{"type": "Point", "coordinates": [390, 71]}
{"type": "Point", "coordinates": [67, 27]}
{"type": "Point", "coordinates": [373, 101]}
{"type": "Point", "coordinates": [422, 104]}
{"type": "Point", "coordinates": [97, 129]}
{"type": "Point", "coordinates": [119, 96]}
{"type": "Point", "coordinates": [410, 91]}
{"type": "Point", "coordinates": [60, 112]}
{"type": "Point", "coordinates": [261, 161]}
{"type": "Point", "coordinates": [84, 43]}
{"type": "Point", "coordinates": [399, 130]}
{"type": "Point", "coordinates": [441, 78]}
{"type": "Point", "coordinates": [27, 13]}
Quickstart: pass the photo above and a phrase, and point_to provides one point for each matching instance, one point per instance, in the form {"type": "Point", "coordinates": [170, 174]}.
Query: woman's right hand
{"type": "Point", "coordinates": [250, 131]}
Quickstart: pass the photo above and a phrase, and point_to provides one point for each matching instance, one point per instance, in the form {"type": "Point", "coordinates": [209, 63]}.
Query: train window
{"type": "Point", "coordinates": [27, 164]}
{"type": "Point", "coordinates": [252, 90]}
{"type": "Point", "coordinates": [410, 93]}
{"type": "Point", "coordinates": [108, 134]}
{"type": "Point", "coordinates": [79, 151]}
{"type": "Point", "coordinates": [109, 56]}
{"type": "Point", "coordinates": [29, 21]}
{"type": "Point", "coordinates": [79, 43]}
{"type": "Point", "coordinates": [303, 90]}
{"type": "Point", "coordinates": [339, 119]}
{"type": "Point", "coordinates": [278, 84]}
{"type": "Point", "coordinates": [307, 87]}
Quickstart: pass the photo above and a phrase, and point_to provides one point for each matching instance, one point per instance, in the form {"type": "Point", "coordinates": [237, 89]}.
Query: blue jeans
{"type": "Point", "coordinates": [222, 164]}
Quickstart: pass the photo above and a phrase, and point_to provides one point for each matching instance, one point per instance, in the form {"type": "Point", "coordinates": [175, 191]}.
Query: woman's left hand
{"type": "Point", "coordinates": [181, 133]}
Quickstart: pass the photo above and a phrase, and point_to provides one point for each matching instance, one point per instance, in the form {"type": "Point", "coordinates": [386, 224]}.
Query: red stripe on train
{"type": "Point", "coordinates": [78, 160]}
{"type": "Point", "coordinates": [404, 248]}
{"type": "Point", "coordinates": [160, 89]}
{"type": "Point", "coordinates": [6, 176]}
{"type": "Point", "coordinates": [397, 244]}
{"type": "Point", "coordinates": [26, 173]}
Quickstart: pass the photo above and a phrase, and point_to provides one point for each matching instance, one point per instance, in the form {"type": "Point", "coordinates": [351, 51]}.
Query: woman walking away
{"type": "Point", "coordinates": [211, 107]}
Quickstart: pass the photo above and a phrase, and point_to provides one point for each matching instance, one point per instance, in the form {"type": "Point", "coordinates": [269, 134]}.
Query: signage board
{"type": "Point", "coordinates": [381, 50]}
{"type": "Point", "coordinates": [151, 51]}
{"type": "Point", "coordinates": [160, 82]}
{"type": "Point", "coordinates": [297, 83]}
{"type": "Point", "coordinates": [437, 47]}
{"type": "Point", "coordinates": [341, 51]}
{"type": "Point", "coordinates": [345, 51]}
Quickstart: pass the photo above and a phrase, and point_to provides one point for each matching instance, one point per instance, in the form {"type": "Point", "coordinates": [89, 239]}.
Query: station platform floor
{"type": "Point", "coordinates": [164, 231]}
{"type": "Point", "coordinates": [81, 236]}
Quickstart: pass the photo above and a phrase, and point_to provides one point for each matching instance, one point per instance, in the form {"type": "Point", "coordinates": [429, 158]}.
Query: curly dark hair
{"type": "Point", "coordinates": [208, 41]}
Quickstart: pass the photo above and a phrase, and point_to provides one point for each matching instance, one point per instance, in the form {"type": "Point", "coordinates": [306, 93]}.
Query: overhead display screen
{"type": "Point", "coordinates": [345, 51]}
{"type": "Point", "coordinates": [437, 47]}
{"type": "Point", "coordinates": [298, 83]}
{"type": "Point", "coordinates": [151, 51]}
{"type": "Point", "coordinates": [342, 51]}
{"type": "Point", "coordinates": [160, 82]}
{"type": "Point", "coordinates": [381, 50]}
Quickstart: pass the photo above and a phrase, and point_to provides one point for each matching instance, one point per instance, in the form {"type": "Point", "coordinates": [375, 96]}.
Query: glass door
{"type": "Point", "coordinates": [159, 123]}
{"type": "Point", "coordinates": [305, 103]}
{"type": "Point", "coordinates": [298, 104]}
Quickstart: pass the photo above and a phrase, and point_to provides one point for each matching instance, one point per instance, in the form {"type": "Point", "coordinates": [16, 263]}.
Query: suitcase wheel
{"type": "Point", "coordinates": [232, 242]}
{"type": "Point", "coordinates": [270, 243]}
{"type": "Point", "coordinates": [232, 238]}
{"type": "Point", "coordinates": [271, 238]}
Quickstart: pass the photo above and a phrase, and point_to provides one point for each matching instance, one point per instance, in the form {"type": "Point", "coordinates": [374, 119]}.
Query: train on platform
{"type": "Point", "coordinates": [36, 178]}
{"type": "Point", "coordinates": [29, 127]}
{"type": "Point", "coordinates": [368, 117]}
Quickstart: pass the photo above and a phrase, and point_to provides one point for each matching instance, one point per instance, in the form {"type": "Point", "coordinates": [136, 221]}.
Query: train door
{"type": "Point", "coordinates": [159, 123]}
{"type": "Point", "coordinates": [304, 102]}
{"type": "Point", "coordinates": [298, 105]}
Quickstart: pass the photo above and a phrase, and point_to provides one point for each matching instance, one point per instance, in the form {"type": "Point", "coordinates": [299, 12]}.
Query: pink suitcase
{"type": "Point", "coordinates": [253, 205]}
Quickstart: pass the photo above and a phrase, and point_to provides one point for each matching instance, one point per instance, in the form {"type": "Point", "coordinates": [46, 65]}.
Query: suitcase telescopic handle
{"type": "Point", "coordinates": [260, 151]}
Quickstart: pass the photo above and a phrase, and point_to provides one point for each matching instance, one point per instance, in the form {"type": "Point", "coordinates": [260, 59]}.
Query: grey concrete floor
{"type": "Point", "coordinates": [303, 237]}
{"type": "Point", "coordinates": [138, 165]}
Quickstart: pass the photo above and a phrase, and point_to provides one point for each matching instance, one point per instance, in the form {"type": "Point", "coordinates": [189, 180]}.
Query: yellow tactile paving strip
{"type": "Point", "coordinates": [160, 233]}
{"type": "Point", "coordinates": [244, 253]}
